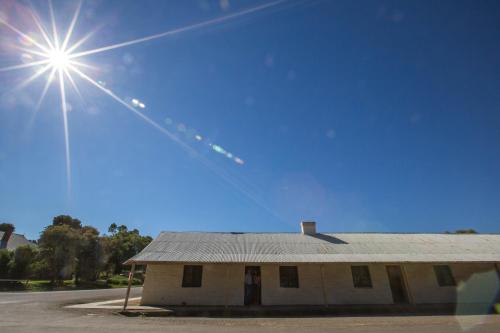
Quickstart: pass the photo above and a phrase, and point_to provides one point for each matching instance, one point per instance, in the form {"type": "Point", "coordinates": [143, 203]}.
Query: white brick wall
{"type": "Point", "coordinates": [309, 291]}
{"type": "Point", "coordinates": [223, 284]}
{"type": "Point", "coordinates": [425, 289]}
{"type": "Point", "coordinates": [340, 288]}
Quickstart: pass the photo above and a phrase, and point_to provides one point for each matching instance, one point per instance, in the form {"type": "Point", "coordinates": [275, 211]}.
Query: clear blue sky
{"type": "Point", "coordinates": [360, 115]}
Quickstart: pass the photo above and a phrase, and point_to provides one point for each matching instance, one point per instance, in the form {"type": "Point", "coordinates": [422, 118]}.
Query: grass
{"type": "Point", "coordinates": [115, 281]}
{"type": "Point", "coordinates": [121, 281]}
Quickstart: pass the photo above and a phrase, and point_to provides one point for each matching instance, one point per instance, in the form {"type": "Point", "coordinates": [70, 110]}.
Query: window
{"type": "Point", "coordinates": [192, 276]}
{"type": "Point", "coordinates": [289, 277]}
{"type": "Point", "coordinates": [361, 277]}
{"type": "Point", "coordinates": [444, 276]}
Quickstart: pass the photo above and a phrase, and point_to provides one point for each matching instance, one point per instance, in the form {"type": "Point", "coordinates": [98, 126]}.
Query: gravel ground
{"type": "Point", "coordinates": [44, 312]}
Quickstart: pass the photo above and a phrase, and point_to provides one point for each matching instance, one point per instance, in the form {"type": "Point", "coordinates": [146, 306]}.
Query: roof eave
{"type": "Point", "coordinates": [147, 262]}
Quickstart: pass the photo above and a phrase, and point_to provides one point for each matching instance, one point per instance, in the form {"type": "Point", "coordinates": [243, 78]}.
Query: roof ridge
{"type": "Point", "coordinates": [330, 232]}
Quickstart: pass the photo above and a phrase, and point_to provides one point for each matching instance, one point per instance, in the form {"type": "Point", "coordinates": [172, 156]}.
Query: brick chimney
{"type": "Point", "coordinates": [308, 227]}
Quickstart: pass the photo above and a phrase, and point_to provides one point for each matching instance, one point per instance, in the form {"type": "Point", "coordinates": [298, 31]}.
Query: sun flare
{"type": "Point", "coordinates": [58, 59]}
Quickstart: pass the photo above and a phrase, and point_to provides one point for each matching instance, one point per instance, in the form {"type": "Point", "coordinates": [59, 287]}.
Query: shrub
{"type": "Point", "coordinates": [5, 260]}
{"type": "Point", "coordinates": [123, 281]}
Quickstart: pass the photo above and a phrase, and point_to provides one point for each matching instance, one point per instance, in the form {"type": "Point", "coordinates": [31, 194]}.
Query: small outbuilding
{"type": "Point", "coordinates": [11, 241]}
{"type": "Point", "coordinates": [311, 268]}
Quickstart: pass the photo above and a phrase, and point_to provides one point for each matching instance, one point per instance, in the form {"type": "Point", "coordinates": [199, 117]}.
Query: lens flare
{"type": "Point", "coordinates": [55, 54]}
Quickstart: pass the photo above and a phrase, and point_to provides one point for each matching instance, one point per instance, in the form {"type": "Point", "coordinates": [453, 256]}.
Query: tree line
{"type": "Point", "coordinates": [67, 249]}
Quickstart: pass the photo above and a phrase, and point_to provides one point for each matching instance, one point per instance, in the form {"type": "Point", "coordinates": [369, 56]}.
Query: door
{"type": "Point", "coordinates": [397, 283]}
{"type": "Point", "coordinates": [252, 285]}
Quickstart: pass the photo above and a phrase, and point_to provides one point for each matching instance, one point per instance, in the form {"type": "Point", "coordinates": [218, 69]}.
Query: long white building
{"type": "Point", "coordinates": [310, 268]}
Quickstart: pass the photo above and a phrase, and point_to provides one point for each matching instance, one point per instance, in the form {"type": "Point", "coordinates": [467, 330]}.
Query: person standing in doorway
{"type": "Point", "coordinates": [248, 286]}
{"type": "Point", "coordinates": [256, 288]}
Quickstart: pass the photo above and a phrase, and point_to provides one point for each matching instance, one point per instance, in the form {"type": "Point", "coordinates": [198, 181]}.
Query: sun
{"type": "Point", "coordinates": [58, 59]}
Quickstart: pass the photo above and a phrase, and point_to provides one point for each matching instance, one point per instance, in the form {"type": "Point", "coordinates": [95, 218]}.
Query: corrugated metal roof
{"type": "Point", "coordinates": [297, 248]}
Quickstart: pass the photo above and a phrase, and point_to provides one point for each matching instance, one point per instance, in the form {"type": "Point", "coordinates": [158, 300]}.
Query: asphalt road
{"type": "Point", "coordinates": [62, 297]}
{"type": "Point", "coordinates": [45, 312]}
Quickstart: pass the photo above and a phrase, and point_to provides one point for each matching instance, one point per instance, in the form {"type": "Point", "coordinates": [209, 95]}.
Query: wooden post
{"type": "Point", "coordinates": [325, 299]}
{"type": "Point", "coordinates": [130, 277]}
{"type": "Point", "coordinates": [407, 285]}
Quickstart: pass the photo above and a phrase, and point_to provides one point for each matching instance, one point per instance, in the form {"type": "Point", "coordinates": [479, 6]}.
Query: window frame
{"type": "Point", "coordinates": [286, 280]}
{"type": "Point", "coordinates": [192, 282]}
{"type": "Point", "coordinates": [448, 280]}
{"type": "Point", "coordinates": [356, 281]}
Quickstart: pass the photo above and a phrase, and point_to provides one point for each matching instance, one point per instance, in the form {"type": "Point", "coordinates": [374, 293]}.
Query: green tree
{"type": "Point", "coordinates": [466, 231]}
{"type": "Point", "coordinates": [462, 231]}
{"type": "Point", "coordinates": [58, 248]}
{"type": "Point", "coordinates": [88, 253]}
{"type": "Point", "coordinates": [67, 248]}
{"type": "Point", "coordinates": [123, 244]}
{"type": "Point", "coordinates": [122, 228]}
{"type": "Point", "coordinates": [112, 228]}
{"type": "Point", "coordinates": [67, 220]}
{"type": "Point", "coordinates": [23, 259]}
{"type": "Point", "coordinates": [40, 267]}
{"type": "Point", "coordinates": [6, 227]}
{"type": "Point", "coordinates": [5, 260]}
{"type": "Point", "coordinates": [105, 253]}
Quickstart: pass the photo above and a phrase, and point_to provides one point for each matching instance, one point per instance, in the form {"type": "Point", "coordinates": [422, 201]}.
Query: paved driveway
{"type": "Point", "coordinates": [44, 312]}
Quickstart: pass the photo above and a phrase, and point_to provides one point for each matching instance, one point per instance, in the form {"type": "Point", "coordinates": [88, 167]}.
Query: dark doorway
{"type": "Point", "coordinates": [397, 283]}
{"type": "Point", "coordinates": [252, 285]}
